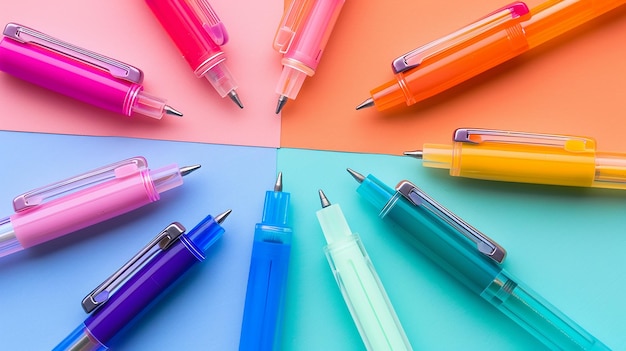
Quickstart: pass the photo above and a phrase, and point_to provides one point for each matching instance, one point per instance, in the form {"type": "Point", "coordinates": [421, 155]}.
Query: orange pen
{"type": "Point", "coordinates": [486, 43]}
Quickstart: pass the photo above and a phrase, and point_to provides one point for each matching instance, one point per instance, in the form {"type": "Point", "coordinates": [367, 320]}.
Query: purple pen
{"type": "Point", "coordinates": [138, 284]}
{"type": "Point", "coordinates": [78, 73]}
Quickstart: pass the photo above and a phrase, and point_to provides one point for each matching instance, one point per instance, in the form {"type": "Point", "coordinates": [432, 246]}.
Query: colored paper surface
{"type": "Point", "coordinates": [565, 243]}
{"type": "Point", "coordinates": [129, 32]}
{"type": "Point", "coordinates": [42, 287]}
{"type": "Point", "coordinates": [571, 85]}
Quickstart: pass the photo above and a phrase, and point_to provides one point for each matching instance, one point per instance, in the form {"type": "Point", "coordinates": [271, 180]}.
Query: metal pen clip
{"type": "Point", "coordinates": [210, 21]}
{"type": "Point", "coordinates": [506, 16]}
{"type": "Point", "coordinates": [567, 143]}
{"type": "Point", "coordinates": [292, 20]}
{"type": "Point", "coordinates": [101, 294]}
{"type": "Point", "coordinates": [116, 68]}
{"type": "Point", "coordinates": [65, 187]}
{"type": "Point", "coordinates": [484, 244]}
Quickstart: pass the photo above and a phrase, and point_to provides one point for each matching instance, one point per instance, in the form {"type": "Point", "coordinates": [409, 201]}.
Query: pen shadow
{"type": "Point", "coordinates": [509, 67]}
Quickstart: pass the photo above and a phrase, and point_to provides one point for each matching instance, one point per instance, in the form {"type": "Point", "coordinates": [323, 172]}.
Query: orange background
{"type": "Point", "coordinates": [574, 84]}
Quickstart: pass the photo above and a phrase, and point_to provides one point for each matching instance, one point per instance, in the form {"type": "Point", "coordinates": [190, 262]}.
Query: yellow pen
{"type": "Point", "coordinates": [526, 158]}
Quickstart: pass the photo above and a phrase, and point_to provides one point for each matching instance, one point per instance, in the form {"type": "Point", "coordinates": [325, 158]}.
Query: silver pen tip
{"type": "Point", "coordinates": [222, 216]}
{"type": "Point", "coordinates": [367, 103]}
{"type": "Point", "coordinates": [279, 182]}
{"type": "Point", "coordinates": [233, 96]}
{"type": "Point", "coordinates": [417, 154]}
{"type": "Point", "coordinates": [323, 199]}
{"type": "Point", "coordinates": [188, 169]}
{"type": "Point", "coordinates": [356, 175]}
{"type": "Point", "coordinates": [282, 100]}
{"type": "Point", "coordinates": [169, 110]}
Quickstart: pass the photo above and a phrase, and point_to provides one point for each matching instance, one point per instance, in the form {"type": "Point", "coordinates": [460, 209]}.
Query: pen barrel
{"type": "Point", "coordinates": [311, 39]}
{"type": "Point", "coordinates": [8, 242]}
{"type": "Point", "coordinates": [555, 17]}
{"type": "Point", "coordinates": [521, 163]}
{"type": "Point", "coordinates": [203, 55]}
{"type": "Point", "coordinates": [267, 281]}
{"type": "Point", "coordinates": [365, 295]}
{"type": "Point", "coordinates": [538, 316]}
{"type": "Point", "coordinates": [141, 290]}
{"type": "Point", "coordinates": [83, 208]}
{"type": "Point", "coordinates": [449, 68]}
{"type": "Point", "coordinates": [80, 340]}
{"type": "Point", "coordinates": [610, 171]}
{"type": "Point", "coordinates": [67, 76]}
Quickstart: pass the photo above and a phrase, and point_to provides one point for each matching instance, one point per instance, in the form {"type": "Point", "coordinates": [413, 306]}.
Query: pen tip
{"type": "Point", "coordinates": [222, 216]}
{"type": "Point", "coordinates": [188, 169]}
{"type": "Point", "coordinates": [172, 111]}
{"type": "Point", "coordinates": [323, 199]}
{"type": "Point", "coordinates": [367, 103]}
{"type": "Point", "coordinates": [417, 154]}
{"type": "Point", "coordinates": [356, 175]}
{"type": "Point", "coordinates": [282, 100]}
{"type": "Point", "coordinates": [279, 182]}
{"type": "Point", "coordinates": [233, 96]}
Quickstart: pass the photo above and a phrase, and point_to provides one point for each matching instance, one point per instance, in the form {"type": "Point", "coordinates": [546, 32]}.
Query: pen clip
{"type": "Point", "coordinates": [116, 68]}
{"type": "Point", "coordinates": [67, 186]}
{"type": "Point", "coordinates": [292, 20]}
{"type": "Point", "coordinates": [210, 21]}
{"type": "Point", "coordinates": [483, 243]}
{"type": "Point", "coordinates": [567, 143]}
{"type": "Point", "coordinates": [101, 294]}
{"type": "Point", "coordinates": [506, 16]}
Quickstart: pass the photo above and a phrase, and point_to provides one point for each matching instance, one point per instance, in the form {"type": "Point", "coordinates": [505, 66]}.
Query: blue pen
{"type": "Point", "coordinates": [262, 315]}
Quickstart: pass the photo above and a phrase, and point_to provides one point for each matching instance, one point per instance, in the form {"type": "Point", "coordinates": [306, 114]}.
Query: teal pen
{"type": "Point", "coordinates": [267, 279]}
{"type": "Point", "coordinates": [362, 290]}
{"type": "Point", "coordinates": [472, 258]}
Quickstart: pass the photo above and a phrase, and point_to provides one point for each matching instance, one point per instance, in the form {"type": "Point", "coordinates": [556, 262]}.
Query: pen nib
{"type": "Point", "coordinates": [367, 103]}
{"type": "Point", "coordinates": [356, 175]}
{"type": "Point", "coordinates": [417, 153]}
{"type": "Point", "coordinates": [222, 216]}
{"type": "Point", "coordinates": [233, 96]}
{"type": "Point", "coordinates": [172, 111]}
{"type": "Point", "coordinates": [282, 100]}
{"type": "Point", "coordinates": [323, 199]}
{"type": "Point", "coordinates": [279, 182]}
{"type": "Point", "coordinates": [188, 169]}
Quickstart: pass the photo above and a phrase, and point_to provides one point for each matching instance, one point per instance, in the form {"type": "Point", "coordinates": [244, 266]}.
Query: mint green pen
{"type": "Point", "coordinates": [360, 286]}
{"type": "Point", "coordinates": [472, 258]}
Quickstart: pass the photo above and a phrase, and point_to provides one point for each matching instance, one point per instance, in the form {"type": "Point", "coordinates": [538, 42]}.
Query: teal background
{"type": "Point", "coordinates": [565, 243]}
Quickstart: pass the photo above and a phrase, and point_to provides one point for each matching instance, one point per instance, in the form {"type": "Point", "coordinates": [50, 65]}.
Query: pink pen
{"type": "Point", "coordinates": [302, 36]}
{"type": "Point", "coordinates": [198, 33]}
{"type": "Point", "coordinates": [75, 203]}
{"type": "Point", "coordinates": [78, 73]}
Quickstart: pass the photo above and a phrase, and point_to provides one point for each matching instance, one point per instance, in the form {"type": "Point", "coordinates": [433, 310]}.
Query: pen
{"type": "Point", "coordinates": [267, 280]}
{"type": "Point", "coordinates": [486, 43]}
{"type": "Point", "coordinates": [362, 290]}
{"type": "Point", "coordinates": [116, 302]}
{"type": "Point", "coordinates": [526, 158]}
{"type": "Point", "coordinates": [473, 259]}
{"type": "Point", "coordinates": [66, 206]}
{"type": "Point", "coordinates": [302, 36]}
{"type": "Point", "coordinates": [198, 33]}
{"type": "Point", "coordinates": [78, 73]}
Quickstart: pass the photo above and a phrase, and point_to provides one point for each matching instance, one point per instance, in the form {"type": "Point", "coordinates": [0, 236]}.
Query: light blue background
{"type": "Point", "coordinates": [41, 288]}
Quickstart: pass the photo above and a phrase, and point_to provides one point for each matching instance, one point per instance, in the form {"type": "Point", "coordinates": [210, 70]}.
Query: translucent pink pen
{"type": "Point", "coordinates": [66, 206]}
{"type": "Point", "coordinates": [302, 36]}
{"type": "Point", "coordinates": [78, 73]}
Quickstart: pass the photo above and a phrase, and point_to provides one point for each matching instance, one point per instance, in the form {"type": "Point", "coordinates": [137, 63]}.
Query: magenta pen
{"type": "Point", "coordinates": [199, 34]}
{"type": "Point", "coordinates": [78, 73]}
{"type": "Point", "coordinates": [69, 205]}
{"type": "Point", "coordinates": [302, 36]}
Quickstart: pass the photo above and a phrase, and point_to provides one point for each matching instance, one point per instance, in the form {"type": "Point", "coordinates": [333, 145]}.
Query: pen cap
{"type": "Point", "coordinates": [202, 236]}
{"type": "Point", "coordinates": [275, 208]}
{"type": "Point", "coordinates": [166, 178]}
